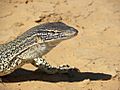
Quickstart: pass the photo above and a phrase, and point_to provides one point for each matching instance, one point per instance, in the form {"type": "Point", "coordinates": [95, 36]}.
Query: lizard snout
{"type": "Point", "coordinates": [71, 32]}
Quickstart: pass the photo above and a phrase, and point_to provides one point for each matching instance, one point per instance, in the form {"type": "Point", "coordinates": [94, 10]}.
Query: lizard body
{"type": "Point", "coordinates": [32, 45]}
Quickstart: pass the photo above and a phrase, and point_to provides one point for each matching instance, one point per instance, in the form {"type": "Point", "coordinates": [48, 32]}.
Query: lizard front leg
{"type": "Point", "coordinates": [46, 67]}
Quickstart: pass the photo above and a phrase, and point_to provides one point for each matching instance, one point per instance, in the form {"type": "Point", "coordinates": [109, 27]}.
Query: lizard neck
{"type": "Point", "coordinates": [49, 46]}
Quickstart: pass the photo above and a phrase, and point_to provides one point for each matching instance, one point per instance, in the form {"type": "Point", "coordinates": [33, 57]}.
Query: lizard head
{"type": "Point", "coordinates": [56, 31]}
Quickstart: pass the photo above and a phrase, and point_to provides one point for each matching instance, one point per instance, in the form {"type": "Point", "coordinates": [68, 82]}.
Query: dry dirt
{"type": "Point", "coordinates": [95, 50]}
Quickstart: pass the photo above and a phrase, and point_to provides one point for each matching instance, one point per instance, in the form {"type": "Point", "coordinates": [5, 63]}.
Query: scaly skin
{"type": "Point", "coordinates": [32, 45]}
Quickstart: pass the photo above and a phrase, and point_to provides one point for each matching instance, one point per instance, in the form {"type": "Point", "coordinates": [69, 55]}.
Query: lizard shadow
{"type": "Point", "coordinates": [21, 75]}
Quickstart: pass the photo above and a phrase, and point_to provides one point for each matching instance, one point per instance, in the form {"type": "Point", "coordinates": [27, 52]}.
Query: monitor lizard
{"type": "Point", "coordinates": [32, 45]}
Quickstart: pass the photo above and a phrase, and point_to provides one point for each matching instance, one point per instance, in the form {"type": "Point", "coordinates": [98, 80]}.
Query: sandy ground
{"type": "Point", "coordinates": [95, 50]}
